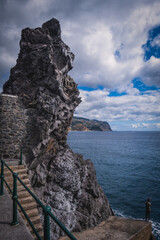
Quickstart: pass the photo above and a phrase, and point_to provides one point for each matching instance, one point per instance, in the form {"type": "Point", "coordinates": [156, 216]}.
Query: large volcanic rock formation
{"type": "Point", "coordinates": [61, 178]}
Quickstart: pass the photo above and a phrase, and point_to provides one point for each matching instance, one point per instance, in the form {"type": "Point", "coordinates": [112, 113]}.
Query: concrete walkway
{"type": "Point", "coordinates": [8, 232]}
{"type": "Point", "coordinates": [116, 228]}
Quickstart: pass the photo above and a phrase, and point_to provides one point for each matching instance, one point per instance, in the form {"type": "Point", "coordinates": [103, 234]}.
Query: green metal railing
{"type": "Point", "coordinates": [46, 209]}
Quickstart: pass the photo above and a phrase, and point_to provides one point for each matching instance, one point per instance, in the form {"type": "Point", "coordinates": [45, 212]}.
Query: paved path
{"type": "Point", "coordinates": [116, 228]}
{"type": "Point", "coordinates": [8, 232]}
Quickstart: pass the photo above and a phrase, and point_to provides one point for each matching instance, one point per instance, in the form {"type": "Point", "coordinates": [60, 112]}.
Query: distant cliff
{"type": "Point", "coordinates": [84, 124]}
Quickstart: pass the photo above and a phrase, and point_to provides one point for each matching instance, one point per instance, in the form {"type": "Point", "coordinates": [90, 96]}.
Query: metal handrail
{"type": "Point", "coordinates": [31, 193]}
{"type": "Point", "coordinates": [8, 186]}
{"type": "Point", "coordinates": [7, 166]}
{"type": "Point", "coordinates": [29, 221]}
{"type": "Point", "coordinates": [46, 209]}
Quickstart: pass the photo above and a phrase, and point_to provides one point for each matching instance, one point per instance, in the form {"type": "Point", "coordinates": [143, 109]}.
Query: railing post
{"type": "Point", "coordinates": [47, 223]}
{"type": "Point", "coordinates": [21, 152]}
{"type": "Point", "coordinates": [14, 197]}
{"type": "Point", "coordinates": [2, 177]}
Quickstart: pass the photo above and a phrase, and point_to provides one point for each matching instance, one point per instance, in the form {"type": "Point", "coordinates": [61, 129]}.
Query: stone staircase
{"type": "Point", "coordinates": [27, 201]}
{"type": "Point", "coordinates": [113, 228]}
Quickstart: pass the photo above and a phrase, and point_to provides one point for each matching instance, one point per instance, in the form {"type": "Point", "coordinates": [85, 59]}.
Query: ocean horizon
{"type": "Point", "coordinates": [127, 165]}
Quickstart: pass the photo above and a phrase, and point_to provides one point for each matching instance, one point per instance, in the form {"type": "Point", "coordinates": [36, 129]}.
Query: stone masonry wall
{"type": "Point", "coordinates": [12, 126]}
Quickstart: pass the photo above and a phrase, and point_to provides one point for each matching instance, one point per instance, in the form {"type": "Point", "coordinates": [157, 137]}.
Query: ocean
{"type": "Point", "coordinates": [128, 169]}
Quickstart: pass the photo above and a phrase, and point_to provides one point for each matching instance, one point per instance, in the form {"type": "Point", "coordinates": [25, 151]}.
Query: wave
{"type": "Point", "coordinates": [156, 229]}
{"type": "Point", "coordinates": [155, 224]}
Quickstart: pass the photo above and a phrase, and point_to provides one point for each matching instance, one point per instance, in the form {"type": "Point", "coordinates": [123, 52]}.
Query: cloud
{"type": "Point", "coordinates": [156, 41]}
{"type": "Point", "coordinates": [146, 126]}
{"type": "Point", "coordinates": [14, 16]}
{"type": "Point", "coordinates": [150, 72]}
{"type": "Point", "coordinates": [100, 40]}
{"type": "Point", "coordinates": [135, 125]}
{"type": "Point", "coordinates": [132, 107]}
{"type": "Point", "coordinates": [95, 31]}
{"type": "Point", "coordinates": [106, 38]}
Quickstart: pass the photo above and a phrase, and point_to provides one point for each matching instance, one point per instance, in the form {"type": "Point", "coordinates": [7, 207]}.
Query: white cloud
{"type": "Point", "coordinates": [106, 38]}
{"type": "Point", "coordinates": [132, 107]}
{"type": "Point", "coordinates": [156, 41]}
{"type": "Point", "coordinates": [96, 63]}
{"type": "Point", "coordinates": [158, 125]}
{"type": "Point", "coordinates": [12, 33]}
{"type": "Point", "coordinates": [146, 126]}
{"type": "Point", "coordinates": [6, 59]}
{"type": "Point", "coordinates": [94, 30]}
{"type": "Point", "coordinates": [135, 125]}
{"type": "Point", "coordinates": [150, 72]}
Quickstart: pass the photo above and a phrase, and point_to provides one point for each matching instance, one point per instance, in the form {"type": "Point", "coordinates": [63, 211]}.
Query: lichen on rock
{"type": "Point", "coordinates": [61, 178]}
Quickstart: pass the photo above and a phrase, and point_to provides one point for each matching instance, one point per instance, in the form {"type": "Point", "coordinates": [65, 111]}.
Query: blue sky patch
{"type": "Point", "coordinates": [116, 94]}
{"type": "Point", "coordinates": [89, 89]}
{"type": "Point", "coordinates": [152, 46]}
{"type": "Point", "coordinates": [142, 87]}
{"type": "Point", "coordinates": [117, 54]}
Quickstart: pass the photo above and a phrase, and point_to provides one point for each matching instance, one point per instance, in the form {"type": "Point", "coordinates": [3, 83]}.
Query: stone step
{"type": "Point", "coordinates": [21, 191]}
{"type": "Point", "coordinates": [28, 206]}
{"type": "Point", "coordinates": [21, 176]}
{"type": "Point", "coordinates": [13, 167]}
{"type": "Point", "coordinates": [26, 199]}
{"type": "Point", "coordinates": [13, 162]}
{"type": "Point", "coordinates": [19, 171]}
{"type": "Point", "coordinates": [32, 212]}
{"type": "Point", "coordinates": [38, 227]}
{"type": "Point", "coordinates": [41, 233]}
{"type": "Point", "coordinates": [25, 181]}
{"type": "Point", "coordinates": [23, 194]}
{"type": "Point", "coordinates": [10, 181]}
{"type": "Point", "coordinates": [16, 170]}
{"type": "Point", "coordinates": [34, 220]}
{"type": "Point", "coordinates": [22, 188]}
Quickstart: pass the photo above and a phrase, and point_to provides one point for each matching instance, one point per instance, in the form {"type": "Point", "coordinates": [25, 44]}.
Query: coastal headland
{"type": "Point", "coordinates": [84, 124]}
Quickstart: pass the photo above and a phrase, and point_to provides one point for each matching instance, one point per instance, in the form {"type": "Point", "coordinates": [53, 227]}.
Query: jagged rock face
{"type": "Point", "coordinates": [50, 95]}
{"type": "Point", "coordinates": [61, 178]}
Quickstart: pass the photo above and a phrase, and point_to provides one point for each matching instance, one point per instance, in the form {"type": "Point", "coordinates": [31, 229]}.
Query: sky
{"type": "Point", "coordinates": [117, 54]}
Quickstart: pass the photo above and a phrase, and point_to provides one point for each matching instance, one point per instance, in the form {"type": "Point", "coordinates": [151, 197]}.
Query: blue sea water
{"type": "Point", "coordinates": [128, 169]}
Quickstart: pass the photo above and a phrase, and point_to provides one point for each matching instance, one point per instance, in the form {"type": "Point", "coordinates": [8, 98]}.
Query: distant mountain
{"type": "Point", "coordinates": [84, 124]}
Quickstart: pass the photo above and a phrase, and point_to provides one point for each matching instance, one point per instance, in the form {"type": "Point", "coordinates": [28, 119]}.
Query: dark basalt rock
{"type": "Point", "coordinates": [61, 178]}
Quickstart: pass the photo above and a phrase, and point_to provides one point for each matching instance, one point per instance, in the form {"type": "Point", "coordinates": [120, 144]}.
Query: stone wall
{"type": "Point", "coordinates": [12, 126]}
